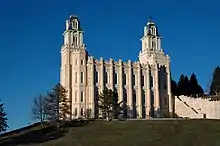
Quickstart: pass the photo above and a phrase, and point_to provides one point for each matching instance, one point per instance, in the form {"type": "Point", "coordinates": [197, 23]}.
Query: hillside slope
{"type": "Point", "coordinates": [130, 133]}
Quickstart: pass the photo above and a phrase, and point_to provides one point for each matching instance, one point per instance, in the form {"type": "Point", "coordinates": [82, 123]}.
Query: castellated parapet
{"type": "Point", "coordinates": [143, 86]}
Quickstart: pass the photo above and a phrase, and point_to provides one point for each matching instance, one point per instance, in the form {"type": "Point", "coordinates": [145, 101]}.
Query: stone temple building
{"type": "Point", "coordinates": [144, 85]}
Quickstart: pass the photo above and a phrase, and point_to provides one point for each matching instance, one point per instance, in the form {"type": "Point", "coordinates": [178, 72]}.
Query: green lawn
{"type": "Point", "coordinates": [131, 133]}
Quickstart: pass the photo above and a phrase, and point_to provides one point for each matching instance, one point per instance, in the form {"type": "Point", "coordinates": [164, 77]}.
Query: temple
{"type": "Point", "coordinates": [144, 85]}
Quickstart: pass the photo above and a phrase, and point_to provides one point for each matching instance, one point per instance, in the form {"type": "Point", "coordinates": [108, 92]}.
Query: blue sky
{"type": "Point", "coordinates": [31, 37]}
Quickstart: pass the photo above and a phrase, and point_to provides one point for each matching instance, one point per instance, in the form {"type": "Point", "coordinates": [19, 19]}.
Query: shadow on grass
{"type": "Point", "coordinates": [42, 134]}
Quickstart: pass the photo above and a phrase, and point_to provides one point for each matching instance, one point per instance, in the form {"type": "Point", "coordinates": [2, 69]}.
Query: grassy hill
{"type": "Point", "coordinates": [122, 133]}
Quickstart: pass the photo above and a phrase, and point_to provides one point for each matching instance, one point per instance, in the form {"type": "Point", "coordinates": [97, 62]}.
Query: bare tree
{"type": "Point", "coordinates": [39, 108]}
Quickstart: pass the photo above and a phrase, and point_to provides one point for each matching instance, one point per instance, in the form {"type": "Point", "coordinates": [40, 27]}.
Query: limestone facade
{"type": "Point", "coordinates": [144, 85]}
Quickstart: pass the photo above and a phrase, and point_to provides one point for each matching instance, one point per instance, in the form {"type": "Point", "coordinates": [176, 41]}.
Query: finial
{"type": "Point", "coordinates": [150, 19]}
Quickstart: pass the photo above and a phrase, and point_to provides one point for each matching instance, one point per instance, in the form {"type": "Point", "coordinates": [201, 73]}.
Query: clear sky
{"type": "Point", "coordinates": [31, 37]}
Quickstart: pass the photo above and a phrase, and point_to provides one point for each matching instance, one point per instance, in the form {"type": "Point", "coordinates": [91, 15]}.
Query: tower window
{"type": "Point", "coordinates": [75, 96]}
{"type": "Point", "coordinates": [76, 41]}
{"type": "Point", "coordinates": [82, 96]}
{"type": "Point", "coordinates": [82, 111]}
{"type": "Point", "coordinates": [82, 62]}
{"type": "Point", "coordinates": [76, 77]}
{"type": "Point", "coordinates": [76, 62]}
{"type": "Point", "coordinates": [82, 77]}
{"type": "Point", "coordinates": [75, 111]}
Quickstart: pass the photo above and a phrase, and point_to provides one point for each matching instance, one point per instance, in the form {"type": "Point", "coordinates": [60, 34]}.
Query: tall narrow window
{"type": "Point", "coordinates": [151, 81]}
{"type": "Point", "coordinates": [82, 77]}
{"type": "Point", "coordinates": [82, 111]}
{"type": "Point", "coordinates": [115, 78]}
{"type": "Point", "coordinates": [82, 96]}
{"type": "Point", "coordinates": [124, 79]}
{"type": "Point", "coordinates": [142, 80]}
{"type": "Point", "coordinates": [75, 111]}
{"type": "Point", "coordinates": [96, 76]}
{"type": "Point", "coordinates": [133, 79]}
{"type": "Point", "coordinates": [106, 77]}
{"type": "Point", "coordinates": [76, 62]}
{"type": "Point", "coordinates": [74, 24]}
{"type": "Point", "coordinates": [75, 96]}
{"type": "Point", "coordinates": [76, 77]}
{"type": "Point", "coordinates": [82, 62]}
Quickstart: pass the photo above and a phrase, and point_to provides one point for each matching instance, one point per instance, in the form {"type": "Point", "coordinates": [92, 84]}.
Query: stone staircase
{"type": "Point", "coordinates": [184, 109]}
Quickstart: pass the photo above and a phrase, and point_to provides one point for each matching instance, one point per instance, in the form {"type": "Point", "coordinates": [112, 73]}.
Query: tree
{"type": "Point", "coordinates": [108, 103]}
{"type": "Point", "coordinates": [194, 87]}
{"type": "Point", "coordinates": [58, 105]}
{"type": "Point", "coordinates": [39, 108]}
{"type": "Point", "coordinates": [3, 118]}
{"type": "Point", "coordinates": [215, 85]}
{"type": "Point", "coordinates": [181, 84]}
{"type": "Point", "coordinates": [174, 88]}
{"type": "Point", "coordinates": [117, 108]}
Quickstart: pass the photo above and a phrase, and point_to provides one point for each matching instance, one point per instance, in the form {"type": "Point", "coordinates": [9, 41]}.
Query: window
{"type": "Point", "coordinates": [96, 76]}
{"type": "Point", "coordinates": [142, 80]}
{"type": "Point", "coordinates": [153, 44]}
{"type": "Point", "coordinates": [76, 62]}
{"type": "Point", "coordinates": [133, 79]}
{"type": "Point", "coordinates": [105, 77]}
{"type": "Point", "coordinates": [82, 77]}
{"type": "Point", "coordinates": [76, 77]}
{"type": "Point", "coordinates": [74, 24]}
{"type": "Point", "coordinates": [75, 111]}
{"type": "Point", "coordinates": [124, 79]}
{"type": "Point", "coordinates": [82, 62]}
{"type": "Point", "coordinates": [151, 81]}
{"type": "Point", "coordinates": [82, 96]}
{"type": "Point", "coordinates": [115, 78]}
{"type": "Point", "coordinates": [82, 111]}
{"type": "Point", "coordinates": [75, 96]}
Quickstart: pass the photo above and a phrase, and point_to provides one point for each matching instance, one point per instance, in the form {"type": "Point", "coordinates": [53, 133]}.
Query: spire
{"type": "Point", "coordinates": [150, 19]}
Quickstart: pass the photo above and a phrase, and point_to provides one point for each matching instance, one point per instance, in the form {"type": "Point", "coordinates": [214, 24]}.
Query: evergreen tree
{"type": "Point", "coordinates": [194, 87]}
{"type": "Point", "coordinates": [108, 103]}
{"type": "Point", "coordinates": [215, 85]}
{"type": "Point", "coordinates": [39, 108]}
{"type": "Point", "coordinates": [117, 109]}
{"type": "Point", "coordinates": [181, 84]}
{"type": "Point", "coordinates": [58, 105]}
{"type": "Point", "coordinates": [3, 118]}
{"type": "Point", "coordinates": [186, 88]}
{"type": "Point", "coordinates": [174, 88]}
